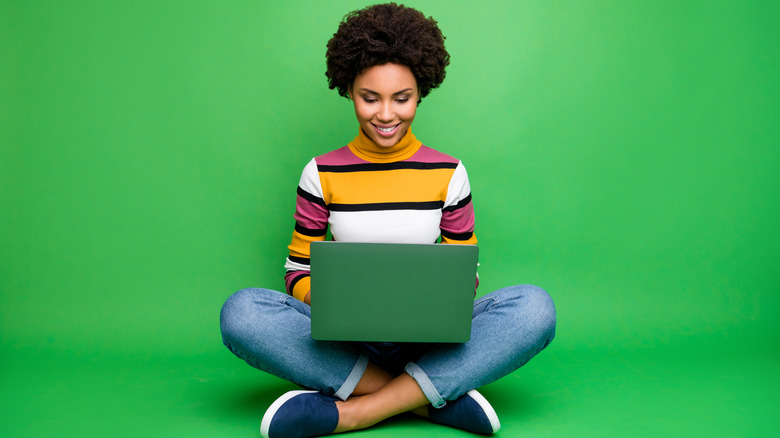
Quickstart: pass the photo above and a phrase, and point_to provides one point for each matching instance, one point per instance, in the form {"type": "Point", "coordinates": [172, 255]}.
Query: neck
{"type": "Point", "coordinates": [365, 148]}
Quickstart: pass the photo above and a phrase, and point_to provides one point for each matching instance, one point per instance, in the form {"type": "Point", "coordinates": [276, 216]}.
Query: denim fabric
{"type": "Point", "coordinates": [271, 331]}
{"type": "Point", "coordinates": [508, 328]}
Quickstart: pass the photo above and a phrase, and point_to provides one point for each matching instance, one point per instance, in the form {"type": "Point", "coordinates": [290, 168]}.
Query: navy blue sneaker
{"type": "Point", "coordinates": [300, 414]}
{"type": "Point", "coordinates": [470, 412]}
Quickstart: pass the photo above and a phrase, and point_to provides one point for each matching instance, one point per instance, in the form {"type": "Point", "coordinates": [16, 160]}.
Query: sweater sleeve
{"type": "Point", "coordinates": [311, 224]}
{"type": "Point", "coordinates": [457, 221]}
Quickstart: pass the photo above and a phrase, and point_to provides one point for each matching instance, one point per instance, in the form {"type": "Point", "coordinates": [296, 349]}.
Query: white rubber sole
{"type": "Point", "coordinates": [265, 424]}
{"type": "Point", "coordinates": [487, 408]}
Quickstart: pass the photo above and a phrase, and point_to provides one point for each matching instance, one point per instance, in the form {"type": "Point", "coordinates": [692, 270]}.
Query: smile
{"type": "Point", "coordinates": [386, 130]}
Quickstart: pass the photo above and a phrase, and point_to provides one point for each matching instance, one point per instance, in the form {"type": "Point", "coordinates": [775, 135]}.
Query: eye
{"type": "Point", "coordinates": [402, 99]}
{"type": "Point", "coordinates": [368, 99]}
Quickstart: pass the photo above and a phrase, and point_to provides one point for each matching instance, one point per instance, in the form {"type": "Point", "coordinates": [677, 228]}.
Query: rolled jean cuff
{"type": "Point", "coordinates": [354, 377]}
{"type": "Point", "coordinates": [425, 383]}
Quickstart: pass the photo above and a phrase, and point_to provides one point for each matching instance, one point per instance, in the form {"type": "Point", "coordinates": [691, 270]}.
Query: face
{"type": "Point", "coordinates": [385, 98]}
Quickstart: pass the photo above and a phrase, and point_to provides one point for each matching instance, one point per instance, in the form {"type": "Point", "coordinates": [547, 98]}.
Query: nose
{"type": "Point", "coordinates": [385, 113]}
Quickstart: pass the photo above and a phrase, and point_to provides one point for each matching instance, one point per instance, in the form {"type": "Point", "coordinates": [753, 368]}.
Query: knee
{"type": "Point", "coordinates": [539, 300]}
{"type": "Point", "coordinates": [233, 311]}
{"type": "Point", "coordinates": [240, 311]}
{"type": "Point", "coordinates": [237, 303]}
{"type": "Point", "coordinates": [536, 308]}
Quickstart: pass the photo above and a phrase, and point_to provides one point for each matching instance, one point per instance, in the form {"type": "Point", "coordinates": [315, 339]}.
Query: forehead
{"type": "Point", "coordinates": [386, 78]}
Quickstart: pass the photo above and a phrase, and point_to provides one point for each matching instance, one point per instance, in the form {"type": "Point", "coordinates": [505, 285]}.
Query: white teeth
{"type": "Point", "coordinates": [385, 129]}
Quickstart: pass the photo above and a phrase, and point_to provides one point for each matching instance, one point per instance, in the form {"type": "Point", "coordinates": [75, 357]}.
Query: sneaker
{"type": "Point", "coordinates": [470, 412]}
{"type": "Point", "coordinates": [300, 414]}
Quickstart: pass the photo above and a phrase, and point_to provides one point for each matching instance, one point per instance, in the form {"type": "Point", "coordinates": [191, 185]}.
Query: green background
{"type": "Point", "coordinates": [622, 155]}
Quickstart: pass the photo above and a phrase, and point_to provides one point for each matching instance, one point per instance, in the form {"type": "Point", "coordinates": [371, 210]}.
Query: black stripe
{"type": "Point", "coordinates": [301, 260]}
{"type": "Point", "coordinates": [311, 232]}
{"type": "Point", "coordinates": [309, 197]}
{"type": "Point", "coordinates": [371, 167]}
{"type": "Point", "coordinates": [464, 202]}
{"type": "Point", "coordinates": [457, 236]}
{"type": "Point", "coordinates": [295, 281]}
{"type": "Point", "coordinates": [429, 205]}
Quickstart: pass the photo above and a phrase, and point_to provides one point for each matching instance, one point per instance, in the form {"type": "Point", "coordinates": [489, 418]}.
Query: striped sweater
{"type": "Point", "coordinates": [409, 193]}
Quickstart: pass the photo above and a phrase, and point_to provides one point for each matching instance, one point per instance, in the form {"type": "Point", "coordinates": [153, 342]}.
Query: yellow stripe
{"type": "Point", "coordinates": [471, 241]}
{"type": "Point", "coordinates": [302, 287]}
{"type": "Point", "coordinates": [400, 185]}
{"type": "Point", "coordinates": [299, 247]}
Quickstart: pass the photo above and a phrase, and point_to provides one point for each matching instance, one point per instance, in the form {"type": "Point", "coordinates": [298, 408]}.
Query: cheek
{"type": "Point", "coordinates": [409, 114]}
{"type": "Point", "coordinates": [362, 111]}
{"type": "Point", "coordinates": [359, 113]}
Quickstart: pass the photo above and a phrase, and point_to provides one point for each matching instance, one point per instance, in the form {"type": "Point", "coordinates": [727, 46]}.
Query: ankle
{"type": "Point", "coordinates": [347, 416]}
{"type": "Point", "coordinates": [353, 415]}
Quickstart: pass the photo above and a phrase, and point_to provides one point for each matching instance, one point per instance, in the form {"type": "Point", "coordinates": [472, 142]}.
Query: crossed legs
{"type": "Point", "coordinates": [379, 396]}
{"type": "Point", "coordinates": [270, 331]}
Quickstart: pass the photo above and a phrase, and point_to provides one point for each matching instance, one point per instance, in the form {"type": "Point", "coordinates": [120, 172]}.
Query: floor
{"type": "Point", "coordinates": [696, 387]}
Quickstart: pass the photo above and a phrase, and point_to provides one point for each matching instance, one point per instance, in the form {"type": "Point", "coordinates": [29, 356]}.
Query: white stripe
{"type": "Point", "coordinates": [294, 266]}
{"type": "Point", "coordinates": [387, 226]}
{"type": "Point", "coordinates": [310, 179]}
{"type": "Point", "coordinates": [459, 186]}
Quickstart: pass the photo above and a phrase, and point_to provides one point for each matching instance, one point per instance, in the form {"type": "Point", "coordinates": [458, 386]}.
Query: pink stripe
{"type": "Point", "coordinates": [309, 214]}
{"type": "Point", "coordinates": [460, 220]}
{"type": "Point", "coordinates": [344, 156]}
{"type": "Point", "coordinates": [339, 157]}
{"type": "Point", "coordinates": [428, 155]}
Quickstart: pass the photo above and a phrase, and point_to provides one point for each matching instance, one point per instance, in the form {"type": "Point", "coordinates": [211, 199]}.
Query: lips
{"type": "Point", "coordinates": [386, 131]}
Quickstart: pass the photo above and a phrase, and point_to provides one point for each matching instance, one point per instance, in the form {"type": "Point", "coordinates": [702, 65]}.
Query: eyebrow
{"type": "Point", "coordinates": [405, 90]}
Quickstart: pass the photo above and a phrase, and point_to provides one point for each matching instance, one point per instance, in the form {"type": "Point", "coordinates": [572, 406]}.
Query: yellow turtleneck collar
{"type": "Point", "coordinates": [365, 148]}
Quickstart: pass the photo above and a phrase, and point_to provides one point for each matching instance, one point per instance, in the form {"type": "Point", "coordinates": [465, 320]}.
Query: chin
{"type": "Point", "coordinates": [387, 142]}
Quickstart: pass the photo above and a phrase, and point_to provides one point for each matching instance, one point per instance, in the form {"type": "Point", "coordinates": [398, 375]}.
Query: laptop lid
{"type": "Point", "coordinates": [386, 292]}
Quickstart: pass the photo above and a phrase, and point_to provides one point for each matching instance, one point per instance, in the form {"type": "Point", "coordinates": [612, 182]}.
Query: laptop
{"type": "Point", "coordinates": [387, 292]}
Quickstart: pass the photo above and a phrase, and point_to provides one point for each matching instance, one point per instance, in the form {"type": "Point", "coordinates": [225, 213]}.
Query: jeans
{"type": "Point", "coordinates": [271, 331]}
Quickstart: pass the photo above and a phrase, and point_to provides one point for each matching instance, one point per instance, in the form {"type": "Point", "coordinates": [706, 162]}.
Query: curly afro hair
{"type": "Point", "coordinates": [386, 33]}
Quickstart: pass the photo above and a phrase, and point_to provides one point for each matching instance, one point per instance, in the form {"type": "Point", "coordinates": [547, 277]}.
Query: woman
{"type": "Point", "coordinates": [385, 58]}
